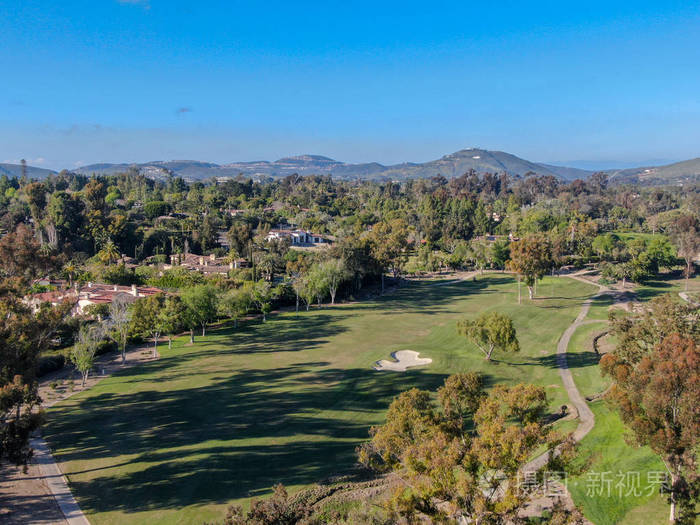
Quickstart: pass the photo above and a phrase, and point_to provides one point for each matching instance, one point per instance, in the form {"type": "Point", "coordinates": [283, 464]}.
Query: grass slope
{"type": "Point", "coordinates": [605, 446]}
{"type": "Point", "coordinates": [175, 441]}
{"type": "Point", "coordinates": [626, 495]}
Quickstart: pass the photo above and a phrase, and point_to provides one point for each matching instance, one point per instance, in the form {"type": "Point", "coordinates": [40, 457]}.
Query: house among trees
{"type": "Point", "coordinates": [300, 237]}
{"type": "Point", "coordinates": [206, 264]}
{"type": "Point", "coordinates": [88, 295]}
{"type": "Point", "coordinates": [97, 293]}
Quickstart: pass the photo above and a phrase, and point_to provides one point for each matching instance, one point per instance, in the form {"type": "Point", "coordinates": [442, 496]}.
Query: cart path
{"type": "Point", "coordinates": [56, 482]}
{"type": "Point", "coordinates": [48, 468]}
{"type": "Point", "coordinates": [586, 417]}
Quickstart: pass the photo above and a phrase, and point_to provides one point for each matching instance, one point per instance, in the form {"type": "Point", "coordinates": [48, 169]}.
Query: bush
{"type": "Point", "coordinates": [155, 209]}
{"type": "Point", "coordinates": [50, 363]}
{"type": "Point", "coordinates": [105, 346]}
{"type": "Point", "coordinates": [120, 274]}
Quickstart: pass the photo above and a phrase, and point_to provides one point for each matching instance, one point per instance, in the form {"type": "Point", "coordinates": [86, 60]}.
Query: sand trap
{"type": "Point", "coordinates": [404, 360]}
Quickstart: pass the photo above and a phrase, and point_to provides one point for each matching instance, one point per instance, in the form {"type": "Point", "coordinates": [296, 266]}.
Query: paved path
{"type": "Point", "coordinates": [687, 299]}
{"type": "Point", "coordinates": [48, 468]}
{"type": "Point", "coordinates": [586, 417]}
{"type": "Point", "coordinates": [57, 483]}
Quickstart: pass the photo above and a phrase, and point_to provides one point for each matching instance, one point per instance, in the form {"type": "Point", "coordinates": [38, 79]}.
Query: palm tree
{"type": "Point", "coordinates": [232, 256]}
{"type": "Point", "coordinates": [70, 268]}
{"type": "Point", "coordinates": [109, 253]}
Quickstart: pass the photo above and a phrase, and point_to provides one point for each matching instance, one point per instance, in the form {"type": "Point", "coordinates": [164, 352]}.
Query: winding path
{"type": "Point", "coordinates": [687, 299]}
{"type": "Point", "coordinates": [586, 417]}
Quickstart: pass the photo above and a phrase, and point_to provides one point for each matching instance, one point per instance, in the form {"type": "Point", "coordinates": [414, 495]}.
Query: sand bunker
{"type": "Point", "coordinates": [404, 359]}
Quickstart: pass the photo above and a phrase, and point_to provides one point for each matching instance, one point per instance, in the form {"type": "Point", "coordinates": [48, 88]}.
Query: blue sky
{"type": "Point", "coordinates": [130, 81]}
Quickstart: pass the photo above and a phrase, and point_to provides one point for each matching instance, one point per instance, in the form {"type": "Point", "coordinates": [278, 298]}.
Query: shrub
{"type": "Point", "coordinates": [50, 363]}
{"type": "Point", "coordinates": [105, 346]}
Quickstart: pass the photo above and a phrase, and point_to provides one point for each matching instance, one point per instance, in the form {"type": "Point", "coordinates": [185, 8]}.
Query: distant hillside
{"type": "Point", "coordinates": [687, 171]}
{"type": "Point", "coordinates": [15, 170]}
{"type": "Point", "coordinates": [453, 165]}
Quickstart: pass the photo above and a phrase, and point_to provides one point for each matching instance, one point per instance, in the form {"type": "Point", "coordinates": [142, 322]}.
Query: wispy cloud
{"type": "Point", "coordinates": [31, 162]}
{"type": "Point", "coordinates": [182, 110]}
{"type": "Point", "coordinates": [146, 4]}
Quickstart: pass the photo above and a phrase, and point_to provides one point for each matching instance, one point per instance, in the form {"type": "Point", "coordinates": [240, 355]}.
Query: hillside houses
{"type": "Point", "coordinates": [88, 295]}
{"type": "Point", "coordinates": [297, 237]}
{"type": "Point", "coordinates": [205, 264]}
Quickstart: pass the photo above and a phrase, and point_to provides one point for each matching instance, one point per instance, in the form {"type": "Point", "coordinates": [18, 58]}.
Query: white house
{"type": "Point", "coordinates": [297, 236]}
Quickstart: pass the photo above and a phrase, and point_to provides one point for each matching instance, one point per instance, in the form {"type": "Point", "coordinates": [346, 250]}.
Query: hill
{"type": "Point", "coordinates": [453, 165]}
{"type": "Point", "coordinates": [15, 170]}
{"type": "Point", "coordinates": [687, 171]}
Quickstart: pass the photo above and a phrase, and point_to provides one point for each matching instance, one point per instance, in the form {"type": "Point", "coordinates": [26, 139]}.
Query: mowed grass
{"type": "Point", "coordinates": [583, 360]}
{"type": "Point", "coordinates": [177, 440]}
{"type": "Point", "coordinates": [619, 485]}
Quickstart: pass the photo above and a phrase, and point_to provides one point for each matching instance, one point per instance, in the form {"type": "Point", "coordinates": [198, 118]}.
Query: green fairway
{"type": "Point", "coordinates": [583, 360]}
{"type": "Point", "coordinates": [175, 441]}
{"type": "Point", "coordinates": [631, 500]}
{"type": "Point", "coordinates": [618, 486]}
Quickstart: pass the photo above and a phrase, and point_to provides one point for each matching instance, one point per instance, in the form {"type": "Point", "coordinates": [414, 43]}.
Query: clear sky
{"type": "Point", "coordinates": [136, 80]}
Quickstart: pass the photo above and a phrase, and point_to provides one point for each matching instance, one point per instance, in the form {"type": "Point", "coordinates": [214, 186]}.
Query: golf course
{"type": "Point", "coordinates": [179, 439]}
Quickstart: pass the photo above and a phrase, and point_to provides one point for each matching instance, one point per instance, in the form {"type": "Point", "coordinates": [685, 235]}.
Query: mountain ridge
{"type": "Point", "coordinates": [451, 165]}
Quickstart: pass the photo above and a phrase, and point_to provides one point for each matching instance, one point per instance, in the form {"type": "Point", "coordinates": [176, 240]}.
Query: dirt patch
{"type": "Point", "coordinates": [25, 498]}
{"type": "Point", "coordinates": [64, 383]}
{"type": "Point", "coordinates": [603, 343]}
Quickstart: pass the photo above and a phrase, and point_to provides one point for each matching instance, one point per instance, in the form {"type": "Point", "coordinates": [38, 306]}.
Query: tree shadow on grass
{"type": "Point", "coordinates": [428, 298]}
{"type": "Point", "coordinates": [232, 438]}
{"type": "Point", "coordinates": [653, 289]}
{"type": "Point", "coordinates": [573, 360]}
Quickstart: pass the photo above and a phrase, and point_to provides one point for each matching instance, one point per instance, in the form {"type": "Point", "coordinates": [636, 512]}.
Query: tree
{"type": "Point", "coordinates": [480, 251]}
{"type": "Point", "coordinates": [145, 318]}
{"type": "Point", "coordinates": [490, 331]}
{"type": "Point", "coordinates": [318, 281]}
{"type": "Point", "coordinates": [109, 253]}
{"type": "Point", "coordinates": [305, 287]}
{"type": "Point", "coordinates": [686, 237]}
{"type": "Point", "coordinates": [623, 270]}
{"type": "Point", "coordinates": [119, 321]}
{"type": "Point", "coordinates": [172, 317]}
{"type": "Point", "coordinates": [452, 472]}
{"type": "Point", "coordinates": [336, 273]}
{"type": "Point", "coordinates": [530, 257]}
{"type": "Point", "coordinates": [657, 397]}
{"type": "Point", "coordinates": [239, 237]}
{"type": "Point", "coordinates": [661, 251]}
{"type": "Point", "coordinates": [23, 335]}
{"type": "Point", "coordinates": [82, 355]}
{"type": "Point", "coordinates": [36, 198]}
{"type": "Point", "coordinates": [500, 253]}
{"type": "Point", "coordinates": [21, 255]}
{"type": "Point", "coordinates": [65, 211]}
{"type": "Point", "coordinates": [201, 302]}
{"type": "Point", "coordinates": [638, 334]}
{"type": "Point", "coordinates": [70, 269]}
{"type": "Point", "coordinates": [262, 294]}
{"type": "Point", "coordinates": [608, 246]}
{"type": "Point", "coordinates": [155, 209]}
{"type": "Point", "coordinates": [235, 303]}
{"type": "Point", "coordinates": [460, 397]}
{"type": "Point", "coordinates": [389, 241]}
